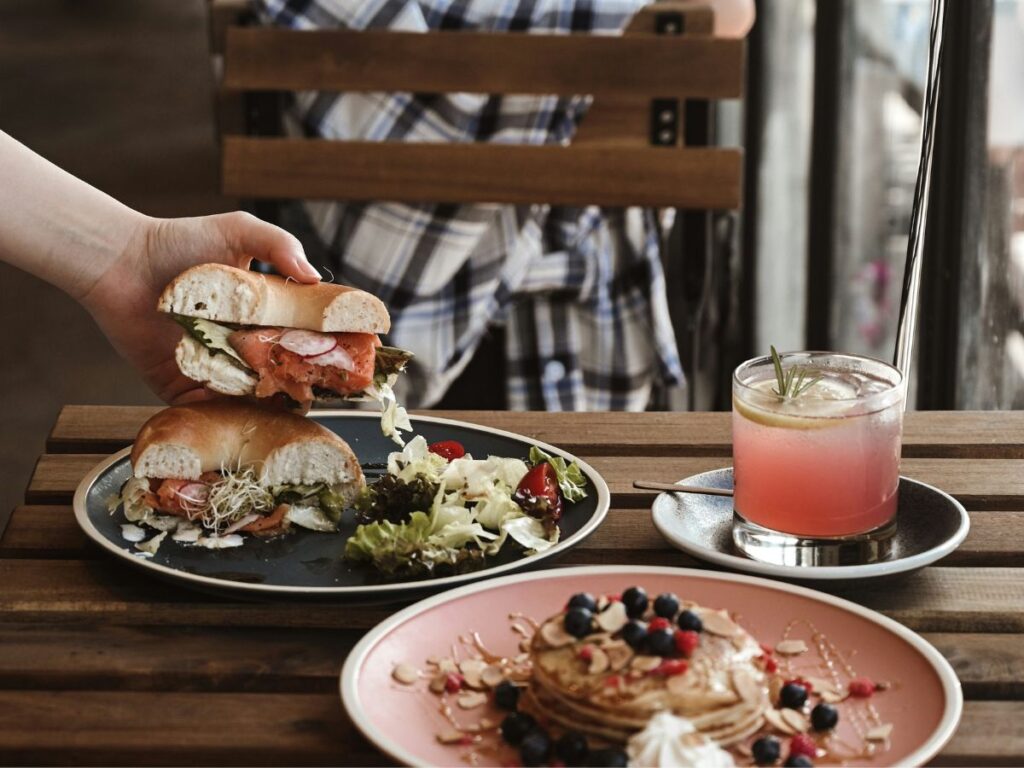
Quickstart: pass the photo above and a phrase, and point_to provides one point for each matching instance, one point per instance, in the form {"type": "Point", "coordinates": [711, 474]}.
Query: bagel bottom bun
{"type": "Point", "coordinates": [182, 442]}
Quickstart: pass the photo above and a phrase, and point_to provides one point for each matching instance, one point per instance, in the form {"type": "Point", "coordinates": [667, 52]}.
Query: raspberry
{"type": "Point", "coordinates": [861, 687]}
{"type": "Point", "coordinates": [453, 683]}
{"type": "Point", "coordinates": [802, 744]}
{"type": "Point", "coordinates": [770, 664]}
{"type": "Point", "coordinates": [613, 598]}
{"type": "Point", "coordinates": [466, 740]}
{"type": "Point", "coordinates": [586, 653]}
{"type": "Point", "coordinates": [671, 668]}
{"type": "Point", "coordinates": [686, 641]}
{"type": "Point", "coordinates": [768, 650]}
{"type": "Point", "coordinates": [657, 623]}
{"type": "Point", "coordinates": [613, 682]}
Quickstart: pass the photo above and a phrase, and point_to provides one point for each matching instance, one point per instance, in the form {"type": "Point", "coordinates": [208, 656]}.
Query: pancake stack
{"type": "Point", "coordinates": [599, 685]}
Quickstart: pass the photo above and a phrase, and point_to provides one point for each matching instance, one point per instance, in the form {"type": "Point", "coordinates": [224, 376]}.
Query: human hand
{"type": "Point", "coordinates": [123, 299]}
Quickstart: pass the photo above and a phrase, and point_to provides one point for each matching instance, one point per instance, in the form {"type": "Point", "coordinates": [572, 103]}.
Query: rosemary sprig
{"type": "Point", "coordinates": [792, 383]}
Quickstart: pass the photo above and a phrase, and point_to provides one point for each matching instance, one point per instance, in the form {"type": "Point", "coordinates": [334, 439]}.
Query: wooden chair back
{"type": "Point", "coordinates": [631, 147]}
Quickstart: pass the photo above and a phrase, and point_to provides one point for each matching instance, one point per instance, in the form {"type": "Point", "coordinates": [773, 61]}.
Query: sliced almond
{"type": "Point", "coordinates": [821, 685]}
{"type": "Point", "coordinates": [744, 749]}
{"type": "Point", "coordinates": [524, 645]}
{"type": "Point", "coordinates": [719, 624]}
{"type": "Point", "coordinates": [602, 602]}
{"type": "Point", "coordinates": [613, 618]}
{"type": "Point", "coordinates": [879, 732]}
{"type": "Point", "coordinates": [645, 663]}
{"type": "Point", "coordinates": [471, 670]}
{"type": "Point", "coordinates": [791, 647]}
{"type": "Point", "coordinates": [796, 720]}
{"type": "Point", "coordinates": [406, 674]}
{"type": "Point", "coordinates": [437, 683]}
{"type": "Point", "coordinates": [471, 700]}
{"type": "Point", "coordinates": [619, 655]}
{"type": "Point", "coordinates": [744, 683]}
{"type": "Point", "coordinates": [834, 697]}
{"type": "Point", "coordinates": [447, 665]}
{"type": "Point", "coordinates": [486, 723]}
{"type": "Point", "coordinates": [492, 676]}
{"type": "Point", "coordinates": [450, 736]}
{"type": "Point", "coordinates": [554, 634]}
{"type": "Point", "coordinates": [774, 718]}
{"type": "Point", "coordinates": [679, 685]}
{"type": "Point", "coordinates": [598, 661]}
{"type": "Point", "coordinates": [434, 660]}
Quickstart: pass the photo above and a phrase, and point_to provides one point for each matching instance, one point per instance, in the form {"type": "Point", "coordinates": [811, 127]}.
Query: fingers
{"type": "Point", "coordinates": [250, 238]}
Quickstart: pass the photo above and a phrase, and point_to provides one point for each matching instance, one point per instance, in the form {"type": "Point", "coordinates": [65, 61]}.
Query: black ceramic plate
{"type": "Point", "coordinates": [308, 563]}
{"type": "Point", "coordinates": [929, 525]}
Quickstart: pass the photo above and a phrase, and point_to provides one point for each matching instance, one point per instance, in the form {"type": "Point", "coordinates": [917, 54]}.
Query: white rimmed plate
{"type": "Point", "coordinates": [924, 702]}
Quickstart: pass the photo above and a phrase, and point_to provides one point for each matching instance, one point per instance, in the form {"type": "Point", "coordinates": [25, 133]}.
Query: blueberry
{"type": "Point", "coordinates": [661, 642]}
{"type": "Point", "coordinates": [793, 695]}
{"type": "Point", "coordinates": [635, 600]}
{"type": "Point", "coordinates": [577, 622]}
{"type": "Point", "coordinates": [608, 758]}
{"type": "Point", "coordinates": [691, 621]}
{"type": "Point", "coordinates": [583, 600]}
{"type": "Point", "coordinates": [572, 749]}
{"type": "Point", "coordinates": [506, 695]}
{"type": "Point", "coordinates": [824, 717]}
{"type": "Point", "coordinates": [634, 633]}
{"type": "Point", "coordinates": [666, 605]}
{"type": "Point", "coordinates": [798, 761]}
{"type": "Point", "coordinates": [515, 726]}
{"type": "Point", "coordinates": [535, 748]}
{"type": "Point", "coordinates": [766, 750]}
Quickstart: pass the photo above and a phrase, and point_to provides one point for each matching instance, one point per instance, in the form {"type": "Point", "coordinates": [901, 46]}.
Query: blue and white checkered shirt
{"type": "Point", "coordinates": [580, 291]}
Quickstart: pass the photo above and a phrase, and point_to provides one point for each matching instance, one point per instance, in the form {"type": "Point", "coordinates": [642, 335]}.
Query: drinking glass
{"type": "Point", "coordinates": [816, 474]}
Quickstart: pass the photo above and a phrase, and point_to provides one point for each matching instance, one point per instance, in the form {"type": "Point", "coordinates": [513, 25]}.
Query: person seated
{"type": "Point", "coordinates": [579, 292]}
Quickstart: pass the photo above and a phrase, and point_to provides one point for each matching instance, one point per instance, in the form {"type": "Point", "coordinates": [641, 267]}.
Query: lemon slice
{"type": "Point", "coordinates": [772, 418]}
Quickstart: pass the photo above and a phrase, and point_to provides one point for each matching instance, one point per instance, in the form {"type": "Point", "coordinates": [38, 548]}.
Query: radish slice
{"type": "Point", "coordinates": [337, 357]}
{"type": "Point", "coordinates": [194, 493]}
{"type": "Point", "coordinates": [241, 523]}
{"type": "Point", "coordinates": [308, 343]}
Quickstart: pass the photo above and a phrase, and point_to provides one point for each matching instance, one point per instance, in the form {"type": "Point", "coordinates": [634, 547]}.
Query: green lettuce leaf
{"type": "Point", "coordinates": [570, 477]}
{"type": "Point", "coordinates": [448, 536]}
{"type": "Point", "coordinates": [213, 336]}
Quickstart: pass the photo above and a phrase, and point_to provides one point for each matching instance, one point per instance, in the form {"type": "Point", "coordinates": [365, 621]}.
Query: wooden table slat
{"type": "Point", "coordinates": [306, 729]}
{"type": "Point", "coordinates": [934, 600]}
{"type": "Point", "coordinates": [51, 532]}
{"type": "Point", "coordinates": [932, 434]}
{"type": "Point", "coordinates": [271, 660]}
{"type": "Point", "coordinates": [980, 483]}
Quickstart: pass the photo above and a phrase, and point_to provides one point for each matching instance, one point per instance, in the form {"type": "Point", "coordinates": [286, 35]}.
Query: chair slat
{"type": "Point", "coordinates": [472, 173]}
{"type": "Point", "coordinates": [261, 58]}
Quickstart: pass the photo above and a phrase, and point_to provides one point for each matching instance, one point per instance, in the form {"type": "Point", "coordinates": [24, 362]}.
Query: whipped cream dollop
{"type": "Point", "coordinates": [669, 740]}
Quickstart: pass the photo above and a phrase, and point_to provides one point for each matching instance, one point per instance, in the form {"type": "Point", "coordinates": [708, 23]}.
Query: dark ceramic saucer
{"type": "Point", "coordinates": [929, 525]}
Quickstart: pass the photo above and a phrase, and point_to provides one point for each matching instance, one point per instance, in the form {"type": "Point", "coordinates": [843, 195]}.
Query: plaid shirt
{"type": "Point", "coordinates": [580, 291]}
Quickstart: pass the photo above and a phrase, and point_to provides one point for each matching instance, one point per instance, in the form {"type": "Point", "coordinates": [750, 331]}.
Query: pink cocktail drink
{"type": "Point", "coordinates": [825, 463]}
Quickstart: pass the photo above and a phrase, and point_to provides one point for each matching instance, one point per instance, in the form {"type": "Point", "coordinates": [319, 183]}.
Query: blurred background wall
{"type": "Point", "coordinates": [118, 92]}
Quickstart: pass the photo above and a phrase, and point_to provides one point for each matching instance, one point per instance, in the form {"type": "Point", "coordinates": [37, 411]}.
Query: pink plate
{"type": "Point", "coordinates": [923, 703]}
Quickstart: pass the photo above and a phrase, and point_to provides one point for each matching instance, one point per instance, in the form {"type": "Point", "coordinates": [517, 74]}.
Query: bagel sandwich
{"type": "Point", "coordinates": [209, 471]}
{"type": "Point", "coordinates": [250, 334]}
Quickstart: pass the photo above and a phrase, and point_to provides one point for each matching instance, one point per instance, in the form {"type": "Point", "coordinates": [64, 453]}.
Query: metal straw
{"type": "Point", "coordinates": [907, 326]}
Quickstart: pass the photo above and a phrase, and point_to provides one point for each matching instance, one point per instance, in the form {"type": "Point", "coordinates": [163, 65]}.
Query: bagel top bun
{"type": "Point", "coordinates": [184, 441]}
{"type": "Point", "coordinates": [231, 295]}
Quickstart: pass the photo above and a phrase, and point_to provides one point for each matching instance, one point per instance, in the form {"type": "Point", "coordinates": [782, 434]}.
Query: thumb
{"type": "Point", "coordinates": [248, 238]}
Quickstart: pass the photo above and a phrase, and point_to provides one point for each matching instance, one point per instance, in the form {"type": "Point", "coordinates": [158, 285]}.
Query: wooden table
{"type": "Point", "coordinates": [101, 665]}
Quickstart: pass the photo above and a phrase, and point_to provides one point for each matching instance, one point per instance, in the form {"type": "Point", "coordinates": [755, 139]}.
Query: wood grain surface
{"type": "Point", "coordinates": [481, 173]}
{"type": "Point", "coordinates": [268, 59]}
{"type": "Point", "coordinates": [935, 434]}
{"type": "Point", "coordinates": [89, 641]}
